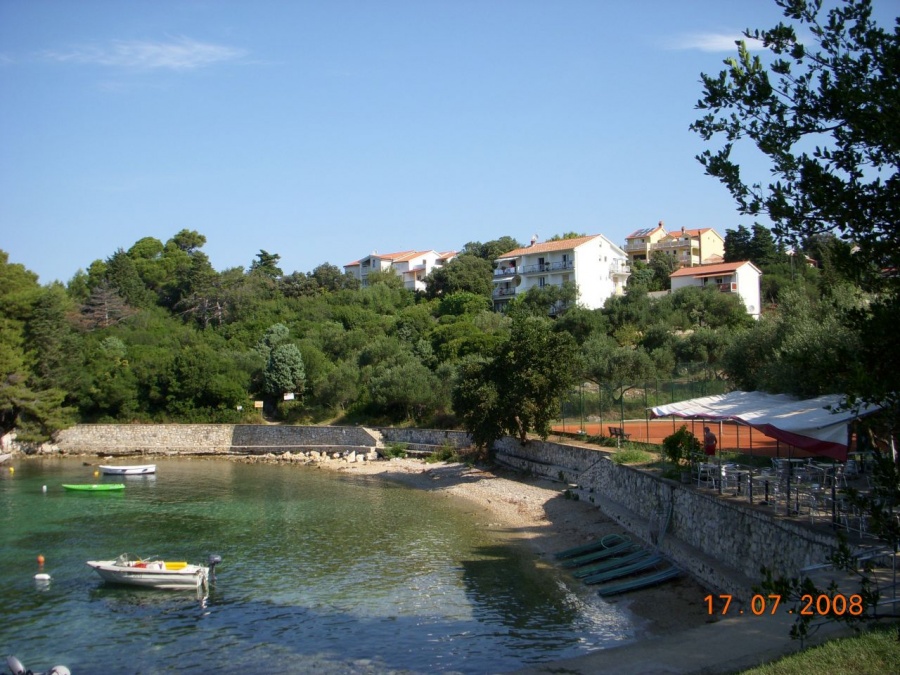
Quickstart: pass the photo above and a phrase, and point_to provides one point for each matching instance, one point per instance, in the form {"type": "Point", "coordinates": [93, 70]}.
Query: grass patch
{"type": "Point", "coordinates": [446, 453]}
{"type": "Point", "coordinates": [396, 450]}
{"type": "Point", "coordinates": [875, 651]}
{"type": "Point", "coordinates": [632, 455]}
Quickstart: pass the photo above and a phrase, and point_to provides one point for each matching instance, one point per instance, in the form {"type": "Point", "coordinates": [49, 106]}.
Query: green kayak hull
{"type": "Point", "coordinates": [96, 487]}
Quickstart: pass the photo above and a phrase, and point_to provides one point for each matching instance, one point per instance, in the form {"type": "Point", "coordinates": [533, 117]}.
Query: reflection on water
{"type": "Point", "coordinates": [320, 571]}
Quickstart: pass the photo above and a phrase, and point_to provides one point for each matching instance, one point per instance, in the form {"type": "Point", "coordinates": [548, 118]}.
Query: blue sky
{"type": "Point", "coordinates": [324, 130]}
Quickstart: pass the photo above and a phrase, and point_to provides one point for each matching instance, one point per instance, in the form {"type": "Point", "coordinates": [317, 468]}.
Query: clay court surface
{"type": "Point", "coordinates": [732, 437]}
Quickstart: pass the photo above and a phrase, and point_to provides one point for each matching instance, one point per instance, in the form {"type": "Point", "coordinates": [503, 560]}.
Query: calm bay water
{"type": "Point", "coordinates": [321, 572]}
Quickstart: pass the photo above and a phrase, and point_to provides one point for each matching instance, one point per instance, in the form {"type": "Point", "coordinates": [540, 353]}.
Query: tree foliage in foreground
{"type": "Point", "coordinates": [825, 116]}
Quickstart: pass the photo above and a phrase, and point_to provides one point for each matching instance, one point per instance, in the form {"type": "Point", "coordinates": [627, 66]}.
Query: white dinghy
{"type": "Point", "coordinates": [127, 469]}
{"type": "Point", "coordinates": [154, 573]}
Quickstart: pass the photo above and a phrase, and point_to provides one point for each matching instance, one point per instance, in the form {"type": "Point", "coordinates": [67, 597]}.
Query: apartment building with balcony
{"type": "Point", "coordinates": [411, 266]}
{"type": "Point", "coordinates": [702, 246]}
{"type": "Point", "coordinates": [741, 278]}
{"type": "Point", "coordinates": [597, 267]}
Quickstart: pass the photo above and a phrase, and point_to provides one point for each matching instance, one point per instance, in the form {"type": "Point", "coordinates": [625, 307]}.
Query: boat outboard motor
{"type": "Point", "coordinates": [214, 560]}
{"type": "Point", "coordinates": [17, 668]}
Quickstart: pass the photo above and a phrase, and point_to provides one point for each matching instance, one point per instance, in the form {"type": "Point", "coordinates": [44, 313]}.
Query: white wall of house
{"type": "Point", "coordinates": [411, 266]}
{"type": "Point", "coordinates": [743, 280]}
{"type": "Point", "coordinates": [595, 265]}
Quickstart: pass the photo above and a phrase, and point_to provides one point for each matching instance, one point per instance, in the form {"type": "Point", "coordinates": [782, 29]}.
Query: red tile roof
{"type": "Point", "coordinates": [707, 270]}
{"type": "Point", "coordinates": [548, 246]}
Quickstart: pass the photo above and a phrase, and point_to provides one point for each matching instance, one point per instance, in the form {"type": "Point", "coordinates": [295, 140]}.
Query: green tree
{"type": "Point", "coordinates": [738, 245]}
{"type": "Point", "coordinates": [662, 265]}
{"type": "Point", "coordinates": [516, 391]}
{"type": "Point", "coordinates": [463, 274]}
{"type": "Point", "coordinates": [123, 277]}
{"type": "Point", "coordinates": [824, 120]}
{"type": "Point", "coordinates": [567, 235]}
{"type": "Point", "coordinates": [491, 250]}
{"type": "Point", "coordinates": [283, 370]}
{"type": "Point", "coordinates": [28, 404]}
{"type": "Point", "coordinates": [266, 265]}
{"type": "Point", "coordinates": [806, 348]}
{"type": "Point", "coordinates": [330, 278]}
{"type": "Point", "coordinates": [763, 251]}
{"type": "Point", "coordinates": [615, 369]}
{"type": "Point", "coordinates": [548, 300]}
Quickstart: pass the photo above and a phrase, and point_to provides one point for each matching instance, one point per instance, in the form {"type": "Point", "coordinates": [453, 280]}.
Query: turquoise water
{"type": "Point", "coordinates": [322, 572]}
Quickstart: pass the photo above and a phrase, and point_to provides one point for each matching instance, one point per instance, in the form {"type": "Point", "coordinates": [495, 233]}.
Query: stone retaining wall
{"type": "Point", "coordinates": [425, 440]}
{"type": "Point", "coordinates": [209, 439]}
{"type": "Point", "coordinates": [721, 542]}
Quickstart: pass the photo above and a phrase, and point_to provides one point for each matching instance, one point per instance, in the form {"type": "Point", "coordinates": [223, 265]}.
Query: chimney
{"type": "Point", "coordinates": [534, 239]}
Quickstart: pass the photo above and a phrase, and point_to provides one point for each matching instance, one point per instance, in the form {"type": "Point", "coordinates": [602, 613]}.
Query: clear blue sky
{"type": "Point", "coordinates": [324, 130]}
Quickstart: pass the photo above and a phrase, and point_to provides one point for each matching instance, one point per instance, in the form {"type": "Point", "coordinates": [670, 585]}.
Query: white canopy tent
{"type": "Point", "coordinates": [806, 424]}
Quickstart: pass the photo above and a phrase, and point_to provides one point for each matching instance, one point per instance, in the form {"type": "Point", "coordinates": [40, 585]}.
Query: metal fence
{"type": "Point", "coordinates": [590, 405]}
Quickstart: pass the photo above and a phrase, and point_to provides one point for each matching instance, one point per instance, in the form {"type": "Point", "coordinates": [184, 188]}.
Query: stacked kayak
{"type": "Point", "coordinates": [614, 561]}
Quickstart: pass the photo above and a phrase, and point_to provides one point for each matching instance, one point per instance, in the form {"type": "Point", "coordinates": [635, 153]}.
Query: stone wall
{"type": "Point", "coordinates": [721, 542]}
{"type": "Point", "coordinates": [209, 439]}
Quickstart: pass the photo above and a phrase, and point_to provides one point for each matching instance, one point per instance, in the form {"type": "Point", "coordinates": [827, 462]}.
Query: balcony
{"type": "Point", "coordinates": [502, 272]}
{"type": "Point", "coordinates": [630, 247]}
{"type": "Point", "coordinates": [560, 266]}
{"type": "Point", "coordinates": [620, 270]}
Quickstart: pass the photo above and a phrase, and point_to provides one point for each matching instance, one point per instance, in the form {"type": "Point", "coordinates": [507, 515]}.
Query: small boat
{"type": "Point", "coordinates": [154, 573]}
{"type": "Point", "coordinates": [626, 546]}
{"type": "Point", "coordinates": [127, 469]}
{"type": "Point", "coordinates": [623, 570]}
{"type": "Point", "coordinates": [605, 542]}
{"type": "Point", "coordinates": [611, 563]}
{"type": "Point", "coordinates": [94, 487]}
{"type": "Point", "coordinates": [16, 668]}
{"type": "Point", "coordinates": [640, 582]}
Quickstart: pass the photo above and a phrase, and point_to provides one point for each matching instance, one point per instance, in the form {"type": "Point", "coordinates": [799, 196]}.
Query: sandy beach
{"type": "Point", "coordinates": [538, 512]}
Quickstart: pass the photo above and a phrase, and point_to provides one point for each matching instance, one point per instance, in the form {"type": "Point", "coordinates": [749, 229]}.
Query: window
{"type": "Point", "coordinates": [542, 281]}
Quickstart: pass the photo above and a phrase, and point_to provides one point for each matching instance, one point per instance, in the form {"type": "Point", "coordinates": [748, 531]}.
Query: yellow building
{"type": "Point", "coordinates": [702, 246]}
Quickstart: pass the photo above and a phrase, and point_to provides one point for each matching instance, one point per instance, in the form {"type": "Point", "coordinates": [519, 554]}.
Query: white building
{"type": "Point", "coordinates": [735, 277]}
{"type": "Point", "coordinates": [411, 266]}
{"type": "Point", "coordinates": [598, 268]}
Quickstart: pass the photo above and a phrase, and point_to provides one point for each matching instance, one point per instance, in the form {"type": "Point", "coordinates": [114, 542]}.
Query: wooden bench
{"type": "Point", "coordinates": [618, 433]}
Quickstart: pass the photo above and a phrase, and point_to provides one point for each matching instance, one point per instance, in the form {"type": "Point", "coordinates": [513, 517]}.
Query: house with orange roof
{"type": "Point", "coordinates": [411, 266]}
{"type": "Point", "coordinates": [640, 243]}
{"type": "Point", "coordinates": [689, 247]}
{"type": "Point", "coordinates": [741, 278]}
{"type": "Point", "coordinates": [598, 268]}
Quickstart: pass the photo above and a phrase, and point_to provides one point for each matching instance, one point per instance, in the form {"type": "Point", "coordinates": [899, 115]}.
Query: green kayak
{"type": "Point", "coordinates": [96, 487]}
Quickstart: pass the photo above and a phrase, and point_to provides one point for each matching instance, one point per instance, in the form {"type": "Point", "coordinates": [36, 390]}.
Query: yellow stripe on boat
{"type": "Point", "coordinates": [176, 565]}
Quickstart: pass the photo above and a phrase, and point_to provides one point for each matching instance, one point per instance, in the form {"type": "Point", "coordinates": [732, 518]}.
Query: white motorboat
{"type": "Point", "coordinates": [127, 469]}
{"type": "Point", "coordinates": [155, 573]}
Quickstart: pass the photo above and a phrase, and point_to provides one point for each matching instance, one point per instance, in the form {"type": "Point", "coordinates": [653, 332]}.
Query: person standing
{"type": "Point", "coordinates": [709, 442]}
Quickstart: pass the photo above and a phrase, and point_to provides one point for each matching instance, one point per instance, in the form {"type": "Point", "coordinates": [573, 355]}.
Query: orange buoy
{"type": "Point", "coordinates": [40, 560]}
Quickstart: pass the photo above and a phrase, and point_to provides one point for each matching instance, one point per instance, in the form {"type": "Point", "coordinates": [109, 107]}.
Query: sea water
{"type": "Point", "coordinates": [322, 572]}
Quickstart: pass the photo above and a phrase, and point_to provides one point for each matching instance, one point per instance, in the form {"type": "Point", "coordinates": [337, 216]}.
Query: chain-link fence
{"type": "Point", "coordinates": [590, 404]}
